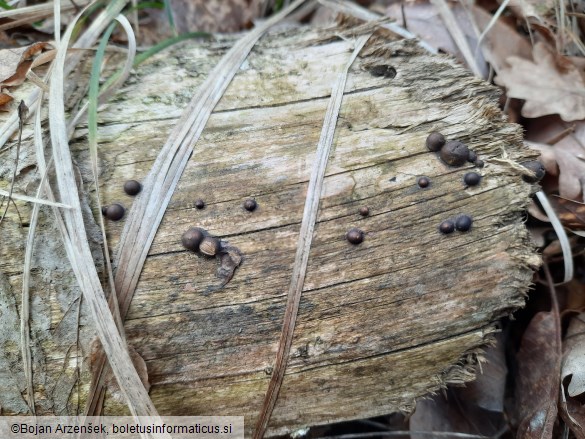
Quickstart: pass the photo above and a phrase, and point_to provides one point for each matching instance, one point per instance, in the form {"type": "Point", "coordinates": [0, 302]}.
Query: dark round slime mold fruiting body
{"type": "Point", "coordinates": [536, 167]}
{"type": "Point", "coordinates": [472, 179]}
{"type": "Point", "coordinates": [209, 246]}
{"type": "Point", "coordinates": [454, 153]}
{"type": "Point", "coordinates": [364, 211]}
{"type": "Point", "coordinates": [115, 212]}
{"type": "Point", "coordinates": [250, 205]}
{"type": "Point", "coordinates": [435, 141]}
{"type": "Point", "coordinates": [472, 156]}
{"type": "Point", "coordinates": [463, 223]}
{"type": "Point", "coordinates": [447, 227]}
{"type": "Point", "coordinates": [199, 204]}
{"type": "Point", "coordinates": [192, 238]}
{"type": "Point", "coordinates": [132, 187]}
{"type": "Point", "coordinates": [355, 236]}
{"type": "Point", "coordinates": [423, 182]}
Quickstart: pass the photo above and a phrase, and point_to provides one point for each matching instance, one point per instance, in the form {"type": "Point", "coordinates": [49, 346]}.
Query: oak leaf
{"type": "Point", "coordinates": [549, 85]}
{"type": "Point", "coordinates": [15, 63]}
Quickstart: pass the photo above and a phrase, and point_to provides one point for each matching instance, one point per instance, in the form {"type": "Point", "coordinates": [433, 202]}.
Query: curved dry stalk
{"type": "Point", "coordinates": [78, 251]}
{"type": "Point", "coordinates": [304, 243]}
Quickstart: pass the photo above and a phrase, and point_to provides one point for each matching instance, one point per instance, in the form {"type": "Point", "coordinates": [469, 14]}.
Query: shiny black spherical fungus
{"type": "Point", "coordinates": [192, 238]}
{"type": "Point", "coordinates": [435, 141]}
{"type": "Point", "coordinates": [472, 179]}
{"type": "Point", "coordinates": [423, 182]}
{"type": "Point", "coordinates": [364, 211]}
{"type": "Point", "coordinates": [463, 223]}
{"type": "Point", "coordinates": [199, 204]}
{"type": "Point", "coordinates": [132, 187]}
{"type": "Point", "coordinates": [536, 167]}
{"type": "Point", "coordinates": [472, 156]}
{"type": "Point", "coordinates": [479, 163]}
{"type": "Point", "coordinates": [454, 153]}
{"type": "Point", "coordinates": [447, 227]}
{"type": "Point", "coordinates": [250, 205]}
{"type": "Point", "coordinates": [115, 212]}
{"type": "Point", "coordinates": [104, 210]}
{"type": "Point", "coordinates": [355, 236]}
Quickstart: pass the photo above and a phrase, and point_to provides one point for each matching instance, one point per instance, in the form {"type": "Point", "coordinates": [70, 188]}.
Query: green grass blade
{"type": "Point", "coordinates": [170, 17]}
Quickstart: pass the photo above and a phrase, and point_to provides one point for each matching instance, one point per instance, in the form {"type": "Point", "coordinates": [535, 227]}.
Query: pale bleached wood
{"type": "Point", "coordinates": [379, 324]}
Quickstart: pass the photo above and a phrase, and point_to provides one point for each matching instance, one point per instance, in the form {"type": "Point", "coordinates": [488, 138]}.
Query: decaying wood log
{"type": "Point", "coordinates": [380, 323]}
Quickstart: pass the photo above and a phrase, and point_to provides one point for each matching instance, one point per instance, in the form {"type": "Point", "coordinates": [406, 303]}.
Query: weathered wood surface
{"type": "Point", "coordinates": [380, 324]}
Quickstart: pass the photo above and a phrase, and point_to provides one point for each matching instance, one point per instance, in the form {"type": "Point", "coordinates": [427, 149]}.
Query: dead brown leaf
{"type": "Point", "coordinates": [424, 20]}
{"type": "Point", "coordinates": [566, 158]}
{"type": "Point", "coordinates": [501, 42]}
{"type": "Point", "coordinates": [5, 99]}
{"type": "Point", "coordinates": [538, 377]}
{"type": "Point", "coordinates": [15, 63]}
{"type": "Point", "coordinates": [571, 213]}
{"type": "Point", "coordinates": [476, 408]}
{"type": "Point", "coordinates": [573, 375]}
{"type": "Point", "coordinates": [574, 356]}
{"type": "Point", "coordinates": [450, 412]}
{"type": "Point", "coordinates": [549, 85]}
{"type": "Point", "coordinates": [570, 155]}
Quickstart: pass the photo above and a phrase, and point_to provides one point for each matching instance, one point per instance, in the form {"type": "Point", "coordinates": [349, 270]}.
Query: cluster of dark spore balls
{"type": "Point", "coordinates": [455, 153]}
{"type": "Point", "coordinates": [198, 240]}
{"type": "Point", "coordinates": [452, 152]}
{"type": "Point", "coordinates": [250, 204]}
{"type": "Point", "coordinates": [354, 235]}
{"type": "Point", "coordinates": [462, 223]}
{"type": "Point", "coordinates": [116, 211]}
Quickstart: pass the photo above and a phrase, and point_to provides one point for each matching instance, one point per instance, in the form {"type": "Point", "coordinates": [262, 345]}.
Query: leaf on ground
{"type": "Point", "coordinates": [570, 155]}
{"type": "Point", "coordinates": [571, 213]}
{"type": "Point", "coordinates": [549, 85]}
{"type": "Point", "coordinates": [5, 98]}
{"type": "Point", "coordinates": [501, 42]}
{"type": "Point", "coordinates": [573, 413]}
{"type": "Point", "coordinates": [15, 63]}
{"type": "Point", "coordinates": [574, 356]}
{"type": "Point", "coordinates": [476, 408]}
{"type": "Point", "coordinates": [538, 377]}
{"type": "Point", "coordinates": [424, 20]}
{"type": "Point", "coordinates": [566, 158]}
{"type": "Point", "coordinates": [488, 389]}
{"type": "Point", "coordinates": [450, 412]}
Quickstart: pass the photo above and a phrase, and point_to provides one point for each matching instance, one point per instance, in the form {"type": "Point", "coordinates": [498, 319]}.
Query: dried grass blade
{"type": "Point", "coordinates": [42, 10]}
{"type": "Point", "coordinates": [457, 34]}
{"type": "Point", "coordinates": [561, 234]}
{"type": "Point", "coordinates": [357, 11]}
{"type": "Point", "coordinates": [149, 206]}
{"type": "Point", "coordinates": [92, 105]}
{"type": "Point", "coordinates": [305, 239]}
{"type": "Point", "coordinates": [86, 40]}
{"type": "Point", "coordinates": [35, 200]}
{"type": "Point", "coordinates": [78, 250]}
{"type": "Point", "coordinates": [117, 78]}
